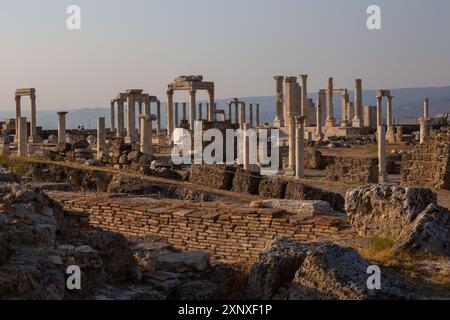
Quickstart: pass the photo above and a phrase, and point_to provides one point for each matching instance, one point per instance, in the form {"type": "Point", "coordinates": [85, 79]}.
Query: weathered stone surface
{"type": "Point", "coordinates": [353, 170]}
{"type": "Point", "coordinates": [385, 209]}
{"type": "Point", "coordinates": [296, 190]}
{"type": "Point", "coordinates": [428, 233]}
{"type": "Point", "coordinates": [302, 208]}
{"type": "Point", "coordinates": [214, 176]}
{"type": "Point", "coordinates": [272, 188]}
{"type": "Point", "coordinates": [6, 176]}
{"type": "Point", "coordinates": [332, 272]}
{"type": "Point", "coordinates": [182, 262]}
{"type": "Point", "coordinates": [122, 184]}
{"type": "Point", "coordinates": [274, 267]}
{"type": "Point", "coordinates": [246, 182]}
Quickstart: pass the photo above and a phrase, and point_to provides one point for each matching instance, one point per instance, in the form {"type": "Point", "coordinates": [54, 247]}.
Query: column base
{"type": "Point", "coordinates": [356, 123]}
{"type": "Point", "coordinates": [330, 122]}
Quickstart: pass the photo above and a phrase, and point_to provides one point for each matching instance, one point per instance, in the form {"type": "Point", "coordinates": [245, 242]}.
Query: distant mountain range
{"type": "Point", "coordinates": [407, 103]}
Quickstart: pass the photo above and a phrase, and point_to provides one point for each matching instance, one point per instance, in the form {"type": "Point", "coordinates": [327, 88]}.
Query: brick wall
{"type": "Point", "coordinates": [226, 231]}
{"type": "Point", "coordinates": [429, 164]}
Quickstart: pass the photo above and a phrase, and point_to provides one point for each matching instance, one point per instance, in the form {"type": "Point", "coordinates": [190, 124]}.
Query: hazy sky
{"type": "Point", "coordinates": [239, 44]}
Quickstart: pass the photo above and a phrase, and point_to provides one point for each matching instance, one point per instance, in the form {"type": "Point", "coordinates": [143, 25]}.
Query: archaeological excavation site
{"type": "Point", "coordinates": [347, 197]}
{"type": "Point", "coordinates": [212, 159]}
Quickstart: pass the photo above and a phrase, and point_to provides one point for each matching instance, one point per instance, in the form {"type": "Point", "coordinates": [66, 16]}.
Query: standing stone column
{"type": "Point", "coordinates": [279, 102]}
{"type": "Point", "coordinates": [112, 117]}
{"type": "Point", "coordinates": [62, 127]}
{"type": "Point", "coordinates": [120, 118]}
{"type": "Point", "coordinates": [426, 108]}
{"type": "Point", "coordinates": [140, 107]}
{"type": "Point", "coordinates": [257, 114]}
{"type": "Point", "coordinates": [176, 115]}
{"type": "Point", "coordinates": [184, 111]}
{"type": "Point", "coordinates": [169, 113]}
{"type": "Point", "coordinates": [344, 118]}
{"type": "Point", "coordinates": [131, 121]}
{"type": "Point", "coordinates": [390, 123]}
{"type": "Point", "coordinates": [158, 116]}
{"type": "Point", "coordinates": [300, 148]}
{"type": "Point", "coordinates": [200, 111]}
{"type": "Point", "coordinates": [246, 155]}
{"type": "Point", "coordinates": [101, 138]}
{"type": "Point", "coordinates": [350, 111]}
{"type": "Point", "coordinates": [242, 115]}
{"type": "Point", "coordinates": [236, 113]}
{"type": "Point", "coordinates": [425, 129]}
{"type": "Point", "coordinates": [33, 132]}
{"type": "Point", "coordinates": [304, 95]}
{"type": "Point", "coordinates": [357, 120]}
{"type": "Point", "coordinates": [330, 121]}
{"type": "Point", "coordinates": [22, 138]}
{"type": "Point", "coordinates": [147, 106]}
{"type": "Point", "coordinates": [18, 115]}
{"type": "Point", "coordinates": [192, 109]}
{"type": "Point", "coordinates": [319, 131]}
{"type": "Point", "coordinates": [379, 114]}
{"type": "Point", "coordinates": [382, 172]}
{"type": "Point", "coordinates": [229, 112]}
{"type": "Point", "coordinates": [212, 106]}
{"type": "Point", "coordinates": [146, 136]}
{"type": "Point", "coordinates": [399, 134]}
{"type": "Point", "coordinates": [251, 114]}
{"type": "Point", "coordinates": [291, 142]}
{"type": "Point", "coordinates": [289, 97]}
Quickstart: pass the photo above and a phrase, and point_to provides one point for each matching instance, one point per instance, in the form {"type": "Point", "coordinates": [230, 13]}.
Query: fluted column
{"type": "Point", "coordinates": [330, 121]}
{"type": "Point", "coordinates": [131, 120]}
{"type": "Point", "coordinates": [101, 137]}
{"type": "Point", "coordinates": [279, 102]}
{"type": "Point", "coordinates": [193, 105]}
{"type": "Point", "coordinates": [169, 113]}
{"type": "Point", "coordinates": [299, 148]}
{"type": "Point", "coordinates": [62, 127]}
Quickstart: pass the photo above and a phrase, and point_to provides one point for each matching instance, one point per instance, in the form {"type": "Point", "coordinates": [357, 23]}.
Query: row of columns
{"type": "Point", "coordinates": [33, 132]}
{"type": "Point", "coordinates": [170, 123]}
{"type": "Point", "coordinates": [240, 113]}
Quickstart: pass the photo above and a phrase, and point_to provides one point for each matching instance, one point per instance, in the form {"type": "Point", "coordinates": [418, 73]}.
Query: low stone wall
{"type": "Point", "coordinates": [226, 231]}
{"type": "Point", "coordinates": [429, 164]}
{"type": "Point", "coordinates": [314, 159]}
{"type": "Point", "coordinates": [353, 170]}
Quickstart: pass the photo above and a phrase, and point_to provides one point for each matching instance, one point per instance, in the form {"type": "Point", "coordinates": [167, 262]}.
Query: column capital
{"type": "Point", "coordinates": [290, 79]}
{"type": "Point", "coordinates": [170, 92]}
{"type": "Point", "coordinates": [304, 76]}
{"type": "Point", "coordinates": [300, 119]}
{"type": "Point", "coordinates": [278, 78]}
{"type": "Point", "coordinates": [193, 92]}
{"type": "Point", "coordinates": [62, 113]}
{"type": "Point", "coordinates": [17, 98]}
